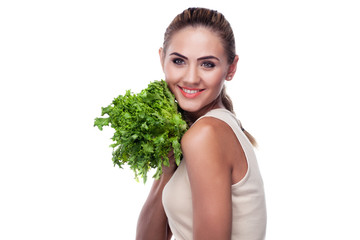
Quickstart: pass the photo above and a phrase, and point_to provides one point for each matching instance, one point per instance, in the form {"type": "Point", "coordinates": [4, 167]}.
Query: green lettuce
{"type": "Point", "coordinates": [147, 127]}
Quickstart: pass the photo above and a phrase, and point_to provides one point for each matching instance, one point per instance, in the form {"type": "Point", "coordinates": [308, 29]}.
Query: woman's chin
{"type": "Point", "coordinates": [190, 109]}
{"type": "Point", "coordinates": [193, 109]}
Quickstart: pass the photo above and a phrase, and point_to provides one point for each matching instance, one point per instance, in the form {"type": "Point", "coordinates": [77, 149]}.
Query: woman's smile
{"type": "Point", "coordinates": [190, 92]}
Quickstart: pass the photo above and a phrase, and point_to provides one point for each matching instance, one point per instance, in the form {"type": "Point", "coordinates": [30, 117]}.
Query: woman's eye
{"type": "Point", "coordinates": [178, 61]}
{"type": "Point", "coordinates": [208, 64]}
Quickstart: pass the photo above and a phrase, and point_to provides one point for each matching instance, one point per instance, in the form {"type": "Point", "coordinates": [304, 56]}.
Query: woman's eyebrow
{"type": "Point", "coordinates": [201, 58]}
{"type": "Point", "coordinates": [209, 57]}
{"type": "Point", "coordinates": [178, 54]}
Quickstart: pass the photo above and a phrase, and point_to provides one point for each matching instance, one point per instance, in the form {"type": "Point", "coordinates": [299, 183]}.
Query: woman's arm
{"type": "Point", "coordinates": [209, 169]}
{"type": "Point", "coordinates": [152, 223]}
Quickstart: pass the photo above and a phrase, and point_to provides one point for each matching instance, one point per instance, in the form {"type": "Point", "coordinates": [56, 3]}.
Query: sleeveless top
{"type": "Point", "coordinates": [248, 198]}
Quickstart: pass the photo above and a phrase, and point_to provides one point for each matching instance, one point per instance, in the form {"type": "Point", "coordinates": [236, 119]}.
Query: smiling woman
{"type": "Point", "coordinates": [217, 190]}
{"type": "Point", "coordinates": [196, 66]}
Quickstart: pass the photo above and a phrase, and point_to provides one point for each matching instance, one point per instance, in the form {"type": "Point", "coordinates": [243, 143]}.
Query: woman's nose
{"type": "Point", "coordinates": [192, 76]}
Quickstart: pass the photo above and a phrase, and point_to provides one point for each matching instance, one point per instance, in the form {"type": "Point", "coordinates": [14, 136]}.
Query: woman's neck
{"type": "Point", "coordinates": [191, 117]}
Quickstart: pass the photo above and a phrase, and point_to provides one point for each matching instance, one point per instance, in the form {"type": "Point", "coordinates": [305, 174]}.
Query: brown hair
{"type": "Point", "coordinates": [215, 22]}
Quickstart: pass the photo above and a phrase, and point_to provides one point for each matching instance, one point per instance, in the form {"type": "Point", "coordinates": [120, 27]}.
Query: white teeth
{"type": "Point", "coordinates": [190, 91]}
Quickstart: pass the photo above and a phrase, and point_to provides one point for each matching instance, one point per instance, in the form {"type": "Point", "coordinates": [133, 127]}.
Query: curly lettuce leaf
{"type": "Point", "coordinates": [147, 127]}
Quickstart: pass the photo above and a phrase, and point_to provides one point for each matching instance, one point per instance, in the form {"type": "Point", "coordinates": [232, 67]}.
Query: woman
{"type": "Point", "coordinates": [217, 190]}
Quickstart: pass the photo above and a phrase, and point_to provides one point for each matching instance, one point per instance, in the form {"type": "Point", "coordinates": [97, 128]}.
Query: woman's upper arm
{"type": "Point", "coordinates": [210, 179]}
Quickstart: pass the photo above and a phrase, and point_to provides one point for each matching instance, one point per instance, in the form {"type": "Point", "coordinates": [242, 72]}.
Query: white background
{"type": "Point", "coordinates": [296, 91]}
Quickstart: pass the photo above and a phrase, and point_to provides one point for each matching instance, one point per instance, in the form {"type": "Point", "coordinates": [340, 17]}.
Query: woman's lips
{"type": "Point", "coordinates": [190, 92]}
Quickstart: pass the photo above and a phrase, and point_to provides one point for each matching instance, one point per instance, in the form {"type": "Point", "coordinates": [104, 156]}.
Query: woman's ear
{"type": "Point", "coordinates": [161, 55]}
{"type": "Point", "coordinates": [232, 69]}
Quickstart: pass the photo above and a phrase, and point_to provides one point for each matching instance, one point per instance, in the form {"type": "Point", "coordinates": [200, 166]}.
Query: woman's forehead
{"type": "Point", "coordinates": [196, 41]}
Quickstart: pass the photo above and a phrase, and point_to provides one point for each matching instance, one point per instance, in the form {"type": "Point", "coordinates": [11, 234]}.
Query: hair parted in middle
{"type": "Point", "coordinates": [203, 17]}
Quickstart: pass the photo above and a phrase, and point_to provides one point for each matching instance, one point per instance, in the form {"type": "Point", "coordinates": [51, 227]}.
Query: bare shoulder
{"type": "Point", "coordinates": [209, 136]}
{"type": "Point", "coordinates": [206, 129]}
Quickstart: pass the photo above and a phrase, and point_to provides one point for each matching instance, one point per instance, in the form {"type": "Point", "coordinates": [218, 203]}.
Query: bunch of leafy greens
{"type": "Point", "coordinates": [147, 127]}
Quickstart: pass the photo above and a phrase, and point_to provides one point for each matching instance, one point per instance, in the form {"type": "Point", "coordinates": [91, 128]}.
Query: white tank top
{"type": "Point", "coordinates": [248, 199]}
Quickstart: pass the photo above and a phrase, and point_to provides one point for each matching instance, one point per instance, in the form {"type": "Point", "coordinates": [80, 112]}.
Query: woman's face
{"type": "Point", "coordinates": [195, 67]}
